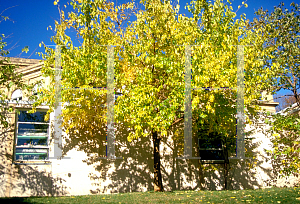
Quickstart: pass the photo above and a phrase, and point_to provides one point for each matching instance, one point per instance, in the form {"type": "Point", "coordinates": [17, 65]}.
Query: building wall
{"type": "Point", "coordinates": [134, 172]}
{"type": "Point", "coordinates": [82, 173]}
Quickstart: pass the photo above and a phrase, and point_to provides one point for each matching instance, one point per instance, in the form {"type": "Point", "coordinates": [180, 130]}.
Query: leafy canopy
{"type": "Point", "coordinates": [149, 65]}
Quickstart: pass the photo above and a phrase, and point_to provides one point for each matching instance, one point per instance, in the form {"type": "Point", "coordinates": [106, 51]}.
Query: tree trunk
{"type": "Point", "coordinates": [158, 187]}
{"type": "Point", "coordinates": [225, 176]}
{"type": "Point", "coordinates": [201, 176]}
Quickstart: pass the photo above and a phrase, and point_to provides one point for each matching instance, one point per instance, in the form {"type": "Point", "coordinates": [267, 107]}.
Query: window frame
{"type": "Point", "coordinates": [47, 147]}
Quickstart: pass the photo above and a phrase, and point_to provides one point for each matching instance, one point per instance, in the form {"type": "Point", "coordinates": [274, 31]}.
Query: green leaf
{"type": "Point", "coordinates": [25, 49]}
{"type": "Point", "coordinates": [11, 84]}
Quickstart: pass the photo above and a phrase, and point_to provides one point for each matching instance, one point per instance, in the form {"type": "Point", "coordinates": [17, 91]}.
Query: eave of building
{"type": "Point", "coordinates": [29, 68]}
{"type": "Point", "coordinates": [293, 109]}
{"type": "Point", "coordinates": [265, 103]}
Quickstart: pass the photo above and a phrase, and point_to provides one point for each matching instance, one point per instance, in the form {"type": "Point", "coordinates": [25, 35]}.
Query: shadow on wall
{"type": "Point", "coordinates": [179, 174]}
{"type": "Point", "coordinates": [38, 182]}
{"type": "Point", "coordinates": [283, 163]}
{"type": "Point", "coordinates": [242, 174]}
{"type": "Point", "coordinates": [260, 172]}
{"type": "Point", "coordinates": [134, 172]}
{"type": "Point", "coordinates": [24, 180]}
{"type": "Point", "coordinates": [131, 174]}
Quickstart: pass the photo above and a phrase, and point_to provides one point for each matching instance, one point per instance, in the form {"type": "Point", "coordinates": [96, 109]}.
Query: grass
{"type": "Point", "coordinates": [271, 195]}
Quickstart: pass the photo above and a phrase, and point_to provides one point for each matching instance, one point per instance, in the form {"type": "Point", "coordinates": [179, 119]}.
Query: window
{"type": "Point", "coordinates": [17, 95]}
{"type": "Point", "coordinates": [117, 95]}
{"type": "Point", "coordinates": [212, 150]}
{"type": "Point", "coordinates": [36, 89]}
{"type": "Point", "coordinates": [32, 135]}
{"type": "Point", "coordinates": [212, 146]}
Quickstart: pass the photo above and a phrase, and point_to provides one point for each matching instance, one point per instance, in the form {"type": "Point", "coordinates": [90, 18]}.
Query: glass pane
{"type": "Point", "coordinates": [27, 140]}
{"type": "Point", "coordinates": [211, 155]}
{"type": "Point", "coordinates": [31, 117]}
{"type": "Point", "coordinates": [32, 134]}
{"type": "Point", "coordinates": [212, 143]}
{"type": "Point", "coordinates": [33, 129]}
{"type": "Point", "coordinates": [31, 154]}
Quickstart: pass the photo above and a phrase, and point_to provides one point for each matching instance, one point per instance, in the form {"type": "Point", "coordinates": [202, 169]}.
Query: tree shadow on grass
{"type": "Point", "coordinates": [15, 200]}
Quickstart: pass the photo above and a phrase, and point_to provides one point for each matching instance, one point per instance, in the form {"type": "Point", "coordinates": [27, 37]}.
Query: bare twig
{"type": "Point", "coordinates": [239, 8]}
{"type": "Point", "coordinates": [2, 17]}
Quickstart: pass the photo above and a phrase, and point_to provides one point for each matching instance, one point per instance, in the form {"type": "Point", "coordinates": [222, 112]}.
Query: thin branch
{"type": "Point", "coordinates": [240, 7]}
{"type": "Point", "coordinates": [178, 120]}
{"type": "Point", "coordinates": [32, 52]}
{"type": "Point", "coordinates": [4, 11]}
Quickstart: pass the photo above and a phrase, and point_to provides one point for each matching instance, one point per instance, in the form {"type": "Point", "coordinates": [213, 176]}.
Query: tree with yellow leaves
{"type": "Point", "coordinates": [149, 69]}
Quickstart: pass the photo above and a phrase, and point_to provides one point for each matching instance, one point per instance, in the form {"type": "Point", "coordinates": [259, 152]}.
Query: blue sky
{"type": "Point", "coordinates": [30, 19]}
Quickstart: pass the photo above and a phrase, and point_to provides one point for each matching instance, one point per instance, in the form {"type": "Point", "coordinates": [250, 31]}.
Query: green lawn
{"type": "Point", "coordinates": [271, 195]}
